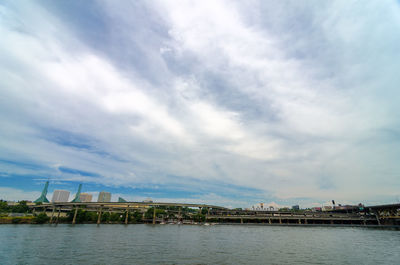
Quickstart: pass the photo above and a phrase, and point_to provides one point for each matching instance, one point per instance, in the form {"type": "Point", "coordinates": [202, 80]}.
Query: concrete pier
{"type": "Point", "coordinates": [58, 215]}
{"type": "Point", "coordinates": [52, 215]}
{"type": "Point", "coordinates": [127, 215]}
{"type": "Point", "coordinates": [99, 216]}
{"type": "Point", "coordinates": [76, 212]}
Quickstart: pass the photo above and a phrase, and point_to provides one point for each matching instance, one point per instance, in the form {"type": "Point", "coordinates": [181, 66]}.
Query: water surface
{"type": "Point", "coordinates": [186, 244]}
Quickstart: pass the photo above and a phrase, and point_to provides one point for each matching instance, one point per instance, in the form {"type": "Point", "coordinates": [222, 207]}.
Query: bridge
{"type": "Point", "coordinates": [378, 215]}
{"type": "Point", "coordinates": [119, 207]}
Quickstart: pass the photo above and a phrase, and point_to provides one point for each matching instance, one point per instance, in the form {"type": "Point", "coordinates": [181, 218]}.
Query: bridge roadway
{"type": "Point", "coordinates": [124, 205]}
{"type": "Point", "coordinates": [388, 214]}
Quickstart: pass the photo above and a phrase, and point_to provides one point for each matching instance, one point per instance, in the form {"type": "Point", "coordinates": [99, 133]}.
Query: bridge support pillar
{"type": "Point", "coordinates": [52, 215]}
{"type": "Point", "coordinates": [179, 214]}
{"type": "Point", "coordinates": [269, 221]}
{"type": "Point", "coordinates": [377, 218]}
{"type": "Point", "coordinates": [76, 212]}
{"type": "Point", "coordinates": [241, 220]}
{"type": "Point", "coordinates": [154, 215]}
{"type": "Point", "coordinates": [305, 221]}
{"type": "Point", "coordinates": [299, 221]}
{"type": "Point", "coordinates": [58, 215]}
{"type": "Point", "coordinates": [99, 216]}
{"type": "Point", "coordinates": [127, 215]}
{"type": "Point", "coordinates": [280, 220]}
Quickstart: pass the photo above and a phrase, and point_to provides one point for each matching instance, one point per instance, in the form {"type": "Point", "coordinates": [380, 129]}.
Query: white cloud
{"type": "Point", "coordinates": [226, 97]}
{"type": "Point", "coordinates": [11, 194]}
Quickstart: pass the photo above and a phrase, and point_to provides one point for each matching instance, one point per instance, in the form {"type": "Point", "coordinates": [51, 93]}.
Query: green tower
{"type": "Point", "coordinates": [78, 195]}
{"type": "Point", "coordinates": [121, 199]}
{"type": "Point", "coordinates": [42, 197]}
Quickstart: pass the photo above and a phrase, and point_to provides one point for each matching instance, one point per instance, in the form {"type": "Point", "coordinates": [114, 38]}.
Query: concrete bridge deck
{"type": "Point", "coordinates": [376, 215]}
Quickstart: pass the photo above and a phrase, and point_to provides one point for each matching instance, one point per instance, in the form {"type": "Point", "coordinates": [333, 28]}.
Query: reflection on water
{"type": "Point", "coordinates": [185, 244]}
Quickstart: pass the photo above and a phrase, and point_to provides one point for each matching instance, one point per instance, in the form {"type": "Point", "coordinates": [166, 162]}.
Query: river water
{"type": "Point", "coordinates": [190, 244]}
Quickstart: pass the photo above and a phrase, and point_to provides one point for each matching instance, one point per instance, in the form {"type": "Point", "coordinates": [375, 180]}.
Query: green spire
{"type": "Point", "coordinates": [42, 197]}
{"type": "Point", "coordinates": [121, 199]}
{"type": "Point", "coordinates": [78, 195]}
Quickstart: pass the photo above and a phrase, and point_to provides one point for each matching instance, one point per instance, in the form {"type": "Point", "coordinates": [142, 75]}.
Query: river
{"type": "Point", "coordinates": [191, 244]}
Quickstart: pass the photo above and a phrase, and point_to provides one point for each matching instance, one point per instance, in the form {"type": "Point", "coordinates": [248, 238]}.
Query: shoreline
{"type": "Point", "coordinates": [384, 227]}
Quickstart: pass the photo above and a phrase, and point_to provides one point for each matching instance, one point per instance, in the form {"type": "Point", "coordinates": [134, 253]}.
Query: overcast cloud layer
{"type": "Point", "coordinates": [229, 103]}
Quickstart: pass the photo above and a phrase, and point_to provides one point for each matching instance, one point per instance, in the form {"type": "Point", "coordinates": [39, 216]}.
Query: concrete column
{"type": "Point", "coordinates": [52, 215]}
{"type": "Point", "coordinates": [154, 216]}
{"type": "Point", "coordinates": [58, 215]}
{"type": "Point", "coordinates": [299, 221]}
{"type": "Point", "coordinates": [377, 218]}
{"type": "Point", "coordinates": [127, 215]}
{"type": "Point", "coordinates": [269, 221]}
{"type": "Point", "coordinates": [241, 220]}
{"type": "Point", "coordinates": [179, 214]}
{"type": "Point", "coordinates": [76, 212]}
{"type": "Point", "coordinates": [99, 216]}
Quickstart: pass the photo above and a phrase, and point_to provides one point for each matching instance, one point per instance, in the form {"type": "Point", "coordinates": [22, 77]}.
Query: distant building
{"type": "Point", "coordinates": [327, 208]}
{"type": "Point", "coordinates": [265, 207]}
{"type": "Point", "coordinates": [104, 196]}
{"type": "Point", "coordinates": [316, 209]}
{"type": "Point", "coordinates": [60, 196]}
{"type": "Point", "coordinates": [296, 207]}
{"type": "Point", "coordinates": [86, 197]}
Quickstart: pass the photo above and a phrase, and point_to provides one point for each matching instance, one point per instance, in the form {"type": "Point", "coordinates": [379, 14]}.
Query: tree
{"type": "Point", "coordinates": [199, 217]}
{"type": "Point", "coordinates": [21, 207]}
{"type": "Point", "coordinates": [114, 217]}
{"type": "Point", "coordinates": [105, 217]}
{"type": "Point", "coordinates": [4, 206]}
{"type": "Point", "coordinates": [150, 212]}
{"type": "Point", "coordinates": [136, 217]}
{"type": "Point", "coordinates": [41, 218]}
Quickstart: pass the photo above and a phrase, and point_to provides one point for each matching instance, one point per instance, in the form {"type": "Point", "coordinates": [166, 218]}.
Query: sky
{"type": "Point", "coordinates": [229, 103]}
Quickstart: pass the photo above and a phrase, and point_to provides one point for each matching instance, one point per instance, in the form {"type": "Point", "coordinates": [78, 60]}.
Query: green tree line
{"type": "Point", "coordinates": [21, 207]}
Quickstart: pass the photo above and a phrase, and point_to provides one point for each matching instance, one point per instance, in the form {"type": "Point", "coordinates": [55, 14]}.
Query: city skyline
{"type": "Point", "coordinates": [226, 103]}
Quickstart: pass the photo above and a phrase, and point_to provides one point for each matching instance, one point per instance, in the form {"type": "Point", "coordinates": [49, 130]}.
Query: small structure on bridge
{"type": "Point", "coordinates": [42, 197]}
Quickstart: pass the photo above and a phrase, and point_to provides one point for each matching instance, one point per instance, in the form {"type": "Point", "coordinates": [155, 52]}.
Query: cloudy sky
{"type": "Point", "coordinates": [223, 102]}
